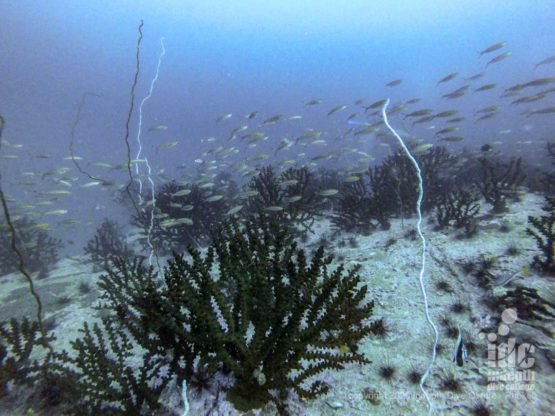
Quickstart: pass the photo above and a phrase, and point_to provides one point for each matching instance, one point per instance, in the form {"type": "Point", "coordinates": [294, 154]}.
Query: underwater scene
{"type": "Point", "coordinates": [226, 208]}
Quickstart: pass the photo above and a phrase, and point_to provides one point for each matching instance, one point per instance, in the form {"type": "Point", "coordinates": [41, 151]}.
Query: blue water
{"type": "Point", "coordinates": [243, 56]}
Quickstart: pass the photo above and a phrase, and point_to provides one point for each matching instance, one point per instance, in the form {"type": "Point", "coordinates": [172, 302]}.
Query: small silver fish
{"type": "Point", "coordinates": [224, 117]}
{"type": "Point", "coordinates": [499, 58]}
{"type": "Point", "coordinates": [492, 48]}
{"type": "Point", "coordinates": [546, 61]}
{"type": "Point", "coordinates": [158, 127]}
{"type": "Point", "coordinates": [393, 83]}
{"type": "Point", "coordinates": [273, 119]}
{"type": "Point", "coordinates": [314, 102]}
{"type": "Point", "coordinates": [447, 78]}
{"type": "Point", "coordinates": [337, 109]}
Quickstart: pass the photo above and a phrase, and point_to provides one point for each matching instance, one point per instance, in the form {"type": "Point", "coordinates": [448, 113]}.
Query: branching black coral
{"type": "Point", "coordinates": [436, 167]}
{"type": "Point", "coordinates": [303, 202]}
{"type": "Point", "coordinates": [458, 208]}
{"type": "Point", "coordinates": [354, 209]}
{"type": "Point", "coordinates": [270, 315]}
{"type": "Point", "coordinates": [97, 377]}
{"type": "Point", "coordinates": [499, 181]}
{"type": "Point", "coordinates": [107, 244]}
{"type": "Point", "coordinates": [103, 379]}
{"type": "Point", "coordinates": [131, 290]}
{"type": "Point", "coordinates": [291, 197]}
{"type": "Point", "coordinates": [267, 190]}
{"type": "Point", "coordinates": [543, 230]}
{"type": "Point", "coordinates": [184, 215]}
{"type": "Point", "coordinates": [532, 309]}
{"type": "Point", "coordinates": [391, 189]}
{"type": "Point", "coordinates": [38, 248]}
{"type": "Point", "coordinates": [17, 341]}
{"type": "Point", "coordinates": [548, 180]}
{"type": "Point", "coordinates": [369, 202]}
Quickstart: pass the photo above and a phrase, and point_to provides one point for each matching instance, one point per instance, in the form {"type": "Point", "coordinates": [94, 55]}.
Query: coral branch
{"type": "Point", "coordinates": [542, 229]}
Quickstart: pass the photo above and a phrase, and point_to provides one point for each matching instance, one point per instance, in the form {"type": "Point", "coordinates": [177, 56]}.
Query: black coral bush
{"type": "Point", "coordinates": [458, 208]}
{"type": "Point", "coordinates": [17, 340]}
{"type": "Point", "coordinates": [391, 189]}
{"type": "Point", "coordinates": [39, 249]}
{"type": "Point", "coordinates": [359, 210]}
{"type": "Point", "coordinates": [292, 197]}
{"type": "Point", "coordinates": [107, 244]}
{"type": "Point", "coordinates": [542, 229]}
{"type": "Point", "coordinates": [253, 305]}
{"type": "Point", "coordinates": [499, 180]}
{"type": "Point", "coordinates": [184, 215]}
{"type": "Point", "coordinates": [107, 373]}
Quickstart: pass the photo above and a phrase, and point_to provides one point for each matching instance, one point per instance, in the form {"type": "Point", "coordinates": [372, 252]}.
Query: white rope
{"type": "Point", "coordinates": [145, 160]}
{"type": "Point", "coordinates": [423, 267]}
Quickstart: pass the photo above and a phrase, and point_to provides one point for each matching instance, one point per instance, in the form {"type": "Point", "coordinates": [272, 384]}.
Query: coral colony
{"type": "Point", "coordinates": [107, 244]}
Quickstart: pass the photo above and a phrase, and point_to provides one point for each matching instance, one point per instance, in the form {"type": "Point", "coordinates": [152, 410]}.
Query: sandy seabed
{"type": "Point", "coordinates": [390, 262]}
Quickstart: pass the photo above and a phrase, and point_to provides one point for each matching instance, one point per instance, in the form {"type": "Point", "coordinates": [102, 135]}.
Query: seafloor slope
{"type": "Point", "coordinates": [390, 261]}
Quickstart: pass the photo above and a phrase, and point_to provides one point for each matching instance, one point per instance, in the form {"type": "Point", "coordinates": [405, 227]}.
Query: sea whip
{"type": "Point", "coordinates": [423, 267]}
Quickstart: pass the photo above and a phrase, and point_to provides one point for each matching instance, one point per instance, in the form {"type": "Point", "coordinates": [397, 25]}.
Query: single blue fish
{"type": "Point", "coordinates": [460, 355]}
{"type": "Point", "coordinates": [358, 123]}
